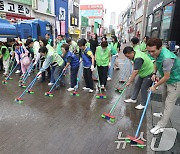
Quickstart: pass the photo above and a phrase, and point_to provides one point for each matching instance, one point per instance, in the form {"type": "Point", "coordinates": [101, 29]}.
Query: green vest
{"type": "Point", "coordinates": [175, 71]}
{"type": "Point", "coordinates": [114, 48]}
{"type": "Point", "coordinates": [102, 57]}
{"type": "Point", "coordinates": [59, 44]}
{"type": "Point", "coordinates": [56, 57]}
{"type": "Point", "coordinates": [88, 44]}
{"type": "Point", "coordinates": [136, 48]}
{"type": "Point", "coordinates": [147, 67]}
{"type": "Point", "coordinates": [6, 54]}
{"type": "Point", "coordinates": [143, 46]}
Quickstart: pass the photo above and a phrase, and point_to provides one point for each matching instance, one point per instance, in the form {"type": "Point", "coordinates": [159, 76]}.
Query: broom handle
{"type": "Point", "coordinates": [112, 109]}
{"type": "Point", "coordinates": [99, 81]}
{"type": "Point", "coordinates": [144, 111]}
{"type": "Point", "coordinates": [32, 83]}
{"type": "Point", "coordinates": [13, 61]}
{"type": "Point", "coordinates": [11, 72]}
{"type": "Point", "coordinates": [56, 81]}
{"type": "Point", "coordinates": [28, 72]}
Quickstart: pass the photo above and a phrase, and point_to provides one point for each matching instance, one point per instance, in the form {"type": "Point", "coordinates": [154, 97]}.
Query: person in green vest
{"type": "Point", "coordinates": [115, 48]}
{"type": "Point", "coordinates": [73, 47]}
{"type": "Point", "coordinates": [60, 41]}
{"type": "Point", "coordinates": [168, 66]}
{"type": "Point", "coordinates": [143, 67]}
{"type": "Point", "coordinates": [51, 59]}
{"type": "Point", "coordinates": [88, 44]}
{"type": "Point", "coordinates": [50, 41]}
{"type": "Point", "coordinates": [4, 53]}
{"type": "Point", "coordinates": [143, 44]}
{"type": "Point", "coordinates": [135, 44]}
{"type": "Point", "coordinates": [103, 56]}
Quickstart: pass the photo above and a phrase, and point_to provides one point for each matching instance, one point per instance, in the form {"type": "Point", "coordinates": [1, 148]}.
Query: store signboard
{"type": "Point", "coordinates": [45, 6]}
{"type": "Point", "coordinates": [28, 2]}
{"type": "Point", "coordinates": [12, 7]}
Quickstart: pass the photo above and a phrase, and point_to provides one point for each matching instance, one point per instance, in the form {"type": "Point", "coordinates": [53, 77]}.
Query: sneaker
{"type": "Point", "coordinates": [109, 79]}
{"type": "Point", "coordinates": [156, 130]}
{"type": "Point", "coordinates": [84, 88]}
{"type": "Point", "coordinates": [130, 101]}
{"type": "Point", "coordinates": [18, 71]}
{"type": "Point", "coordinates": [139, 107]}
{"type": "Point", "coordinates": [50, 84]}
{"type": "Point", "coordinates": [91, 91]}
{"type": "Point", "coordinates": [158, 115]}
{"type": "Point", "coordinates": [70, 89]}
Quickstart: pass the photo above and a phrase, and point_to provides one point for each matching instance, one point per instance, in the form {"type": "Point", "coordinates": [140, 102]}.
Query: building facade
{"type": "Point", "coordinates": [16, 10]}
{"type": "Point", "coordinates": [163, 20]}
{"type": "Point", "coordinates": [74, 18]}
{"type": "Point", "coordinates": [61, 12]}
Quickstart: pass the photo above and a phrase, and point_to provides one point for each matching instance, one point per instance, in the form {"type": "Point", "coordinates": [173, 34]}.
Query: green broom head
{"type": "Point", "coordinates": [19, 100]}
{"type": "Point", "coordinates": [101, 96]}
{"type": "Point", "coordinates": [119, 90]}
{"type": "Point", "coordinates": [4, 82]}
{"type": "Point", "coordinates": [22, 85]}
{"type": "Point", "coordinates": [108, 116]}
{"type": "Point", "coordinates": [48, 94]}
{"type": "Point", "coordinates": [75, 93]}
{"type": "Point", "coordinates": [30, 91]}
{"type": "Point", "coordinates": [135, 141]}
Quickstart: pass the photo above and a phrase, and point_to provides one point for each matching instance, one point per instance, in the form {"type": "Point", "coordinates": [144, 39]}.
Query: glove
{"type": "Point", "coordinates": [92, 68]}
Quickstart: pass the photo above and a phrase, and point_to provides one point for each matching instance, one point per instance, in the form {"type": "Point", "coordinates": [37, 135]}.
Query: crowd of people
{"type": "Point", "coordinates": [98, 61]}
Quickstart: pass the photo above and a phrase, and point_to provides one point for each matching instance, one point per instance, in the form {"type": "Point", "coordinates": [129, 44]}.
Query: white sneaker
{"type": "Point", "coordinates": [84, 88]}
{"type": "Point", "coordinates": [70, 89]}
{"type": "Point", "coordinates": [130, 101]}
{"type": "Point", "coordinates": [139, 107]}
{"type": "Point", "coordinates": [109, 79]}
{"type": "Point", "coordinates": [50, 84]}
{"type": "Point", "coordinates": [156, 130]}
{"type": "Point", "coordinates": [18, 71]}
{"type": "Point", "coordinates": [91, 91]}
{"type": "Point", "coordinates": [158, 115]}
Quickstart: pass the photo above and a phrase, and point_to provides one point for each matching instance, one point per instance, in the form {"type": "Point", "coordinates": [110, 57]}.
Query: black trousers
{"type": "Point", "coordinates": [74, 73]}
{"type": "Point", "coordinates": [103, 73]}
{"type": "Point", "coordinates": [88, 78]}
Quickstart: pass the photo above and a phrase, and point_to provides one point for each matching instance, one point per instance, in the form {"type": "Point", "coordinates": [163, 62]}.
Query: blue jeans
{"type": "Point", "coordinates": [110, 71]}
{"type": "Point", "coordinates": [52, 74]}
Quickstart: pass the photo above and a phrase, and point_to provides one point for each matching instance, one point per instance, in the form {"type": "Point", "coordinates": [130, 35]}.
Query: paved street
{"type": "Point", "coordinates": [66, 124]}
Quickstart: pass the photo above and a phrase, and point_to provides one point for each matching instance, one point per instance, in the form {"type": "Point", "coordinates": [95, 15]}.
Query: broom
{"type": "Point", "coordinates": [135, 140]}
{"type": "Point", "coordinates": [49, 92]}
{"type": "Point", "coordinates": [8, 77]}
{"type": "Point", "coordinates": [19, 99]}
{"type": "Point", "coordinates": [109, 116]}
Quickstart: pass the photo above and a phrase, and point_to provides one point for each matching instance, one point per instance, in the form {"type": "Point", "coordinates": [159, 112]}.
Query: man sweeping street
{"type": "Point", "coordinates": [143, 67]}
{"type": "Point", "coordinates": [168, 65]}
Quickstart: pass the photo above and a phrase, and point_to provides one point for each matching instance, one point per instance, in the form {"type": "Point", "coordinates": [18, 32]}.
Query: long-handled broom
{"type": "Point", "coordinates": [8, 77]}
{"type": "Point", "coordinates": [19, 99]}
{"type": "Point", "coordinates": [49, 93]}
{"type": "Point", "coordinates": [100, 95]}
{"type": "Point", "coordinates": [109, 116]}
{"type": "Point", "coordinates": [135, 140]}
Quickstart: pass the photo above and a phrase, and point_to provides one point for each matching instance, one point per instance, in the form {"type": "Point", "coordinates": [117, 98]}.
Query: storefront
{"type": "Point", "coordinates": [163, 20]}
{"type": "Point", "coordinates": [15, 11]}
